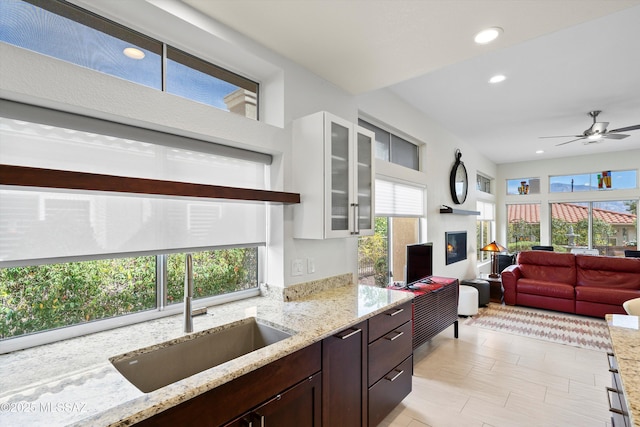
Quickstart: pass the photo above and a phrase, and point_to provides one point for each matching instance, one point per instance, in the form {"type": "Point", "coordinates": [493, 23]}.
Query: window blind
{"type": "Point", "coordinates": [399, 199]}
{"type": "Point", "coordinates": [487, 210]}
{"type": "Point", "coordinates": [43, 225]}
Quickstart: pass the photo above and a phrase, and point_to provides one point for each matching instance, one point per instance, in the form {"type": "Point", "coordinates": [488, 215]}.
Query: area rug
{"type": "Point", "coordinates": [569, 329]}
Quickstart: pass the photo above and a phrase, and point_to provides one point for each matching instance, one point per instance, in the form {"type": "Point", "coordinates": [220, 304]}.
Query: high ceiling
{"type": "Point", "coordinates": [562, 59]}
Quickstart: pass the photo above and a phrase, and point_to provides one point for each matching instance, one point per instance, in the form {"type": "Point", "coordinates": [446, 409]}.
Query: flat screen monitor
{"type": "Point", "coordinates": [419, 262]}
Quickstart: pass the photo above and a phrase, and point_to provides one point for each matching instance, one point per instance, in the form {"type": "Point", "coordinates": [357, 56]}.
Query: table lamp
{"type": "Point", "coordinates": [494, 248]}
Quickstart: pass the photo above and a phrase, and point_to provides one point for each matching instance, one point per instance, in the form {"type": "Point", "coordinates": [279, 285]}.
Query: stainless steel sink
{"type": "Point", "coordinates": [157, 366]}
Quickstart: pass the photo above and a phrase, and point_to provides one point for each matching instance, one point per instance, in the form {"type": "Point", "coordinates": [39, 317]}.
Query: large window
{"type": "Point", "coordinates": [483, 183]}
{"type": "Point", "coordinates": [38, 298]}
{"type": "Point", "coordinates": [523, 226]}
{"type": "Point", "coordinates": [393, 148]}
{"type": "Point", "coordinates": [609, 227]}
{"type": "Point", "coordinates": [595, 181]}
{"type": "Point", "coordinates": [382, 257]}
{"type": "Point", "coordinates": [64, 31]}
{"type": "Point", "coordinates": [523, 186]}
{"type": "Point", "coordinates": [485, 228]}
{"type": "Point", "coordinates": [69, 257]}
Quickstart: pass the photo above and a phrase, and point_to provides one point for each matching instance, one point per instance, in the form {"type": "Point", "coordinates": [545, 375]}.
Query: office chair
{"type": "Point", "coordinates": [542, 248]}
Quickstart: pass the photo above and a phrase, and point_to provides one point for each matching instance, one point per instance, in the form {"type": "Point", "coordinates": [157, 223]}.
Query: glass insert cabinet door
{"type": "Point", "coordinates": [364, 210]}
{"type": "Point", "coordinates": [350, 179]}
{"type": "Point", "coordinates": [340, 176]}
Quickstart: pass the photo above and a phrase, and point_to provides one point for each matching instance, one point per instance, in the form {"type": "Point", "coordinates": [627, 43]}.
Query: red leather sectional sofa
{"type": "Point", "coordinates": [581, 284]}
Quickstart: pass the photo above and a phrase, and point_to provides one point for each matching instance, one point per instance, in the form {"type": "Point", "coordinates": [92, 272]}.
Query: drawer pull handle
{"type": "Point", "coordinates": [397, 335]}
{"type": "Point", "coordinates": [613, 371]}
{"type": "Point", "coordinates": [395, 312]}
{"type": "Point", "coordinates": [613, 390]}
{"type": "Point", "coordinates": [611, 408]}
{"type": "Point", "coordinates": [350, 334]}
{"type": "Point", "coordinates": [392, 379]}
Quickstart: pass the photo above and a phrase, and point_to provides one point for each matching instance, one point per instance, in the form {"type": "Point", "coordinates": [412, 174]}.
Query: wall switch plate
{"type": "Point", "coordinates": [297, 267]}
{"type": "Point", "coordinates": [311, 266]}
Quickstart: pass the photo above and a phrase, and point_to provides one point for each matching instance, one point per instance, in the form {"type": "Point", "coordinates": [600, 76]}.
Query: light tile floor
{"type": "Point", "coordinates": [494, 379]}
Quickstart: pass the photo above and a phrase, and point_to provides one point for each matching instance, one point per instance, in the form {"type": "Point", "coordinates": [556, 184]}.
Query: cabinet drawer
{"type": "Point", "coordinates": [389, 320]}
{"type": "Point", "coordinates": [387, 393]}
{"type": "Point", "coordinates": [388, 351]}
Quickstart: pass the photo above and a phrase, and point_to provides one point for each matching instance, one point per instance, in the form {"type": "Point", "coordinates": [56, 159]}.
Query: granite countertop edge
{"type": "Point", "coordinates": [311, 319]}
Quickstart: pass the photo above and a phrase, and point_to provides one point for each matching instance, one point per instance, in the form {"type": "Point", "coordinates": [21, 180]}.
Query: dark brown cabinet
{"type": "Point", "coordinates": [344, 377]}
{"type": "Point", "coordinates": [390, 361]}
{"type": "Point", "coordinates": [295, 407]}
{"type": "Point", "coordinates": [435, 311]}
{"type": "Point", "coordinates": [288, 388]}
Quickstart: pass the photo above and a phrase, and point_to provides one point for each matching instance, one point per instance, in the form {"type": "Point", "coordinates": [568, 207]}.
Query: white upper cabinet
{"type": "Point", "coordinates": [333, 171]}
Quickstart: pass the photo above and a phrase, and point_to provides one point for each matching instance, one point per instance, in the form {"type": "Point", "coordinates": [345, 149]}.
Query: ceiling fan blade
{"type": "Point", "coordinates": [562, 136]}
{"type": "Point", "coordinates": [562, 143]}
{"type": "Point", "coordinates": [614, 135]}
{"type": "Point", "coordinates": [628, 128]}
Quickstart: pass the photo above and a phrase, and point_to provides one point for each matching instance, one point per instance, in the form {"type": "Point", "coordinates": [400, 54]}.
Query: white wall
{"type": "Point", "coordinates": [544, 168]}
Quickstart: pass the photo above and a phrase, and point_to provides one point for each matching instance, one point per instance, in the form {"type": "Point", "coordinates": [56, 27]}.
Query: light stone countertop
{"type": "Point", "coordinates": [626, 348]}
{"type": "Point", "coordinates": [72, 382]}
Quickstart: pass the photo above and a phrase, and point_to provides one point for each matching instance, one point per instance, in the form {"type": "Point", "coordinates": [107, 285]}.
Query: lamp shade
{"type": "Point", "coordinates": [494, 247]}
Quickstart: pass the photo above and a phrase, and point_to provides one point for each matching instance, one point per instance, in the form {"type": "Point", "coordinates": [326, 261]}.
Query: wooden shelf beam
{"type": "Point", "coordinates": [52, 178]}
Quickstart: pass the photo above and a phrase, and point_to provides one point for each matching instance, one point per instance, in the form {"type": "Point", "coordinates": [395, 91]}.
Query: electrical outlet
{"type": "Point", "coordinates": [311, 266]}
{"type": "Point", "coordinates": [297, 267]}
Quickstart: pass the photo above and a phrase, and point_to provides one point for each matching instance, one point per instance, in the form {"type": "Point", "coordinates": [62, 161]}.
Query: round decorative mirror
{"type": "Point", "coordinates": [459, 183]}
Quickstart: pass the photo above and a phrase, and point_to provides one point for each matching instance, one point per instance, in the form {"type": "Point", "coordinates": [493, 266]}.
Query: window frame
{"type": "Point", "coordinates": [162, 309]}
{"type": "Point", "coordinates": [508, 236]}
{"type": "Point", "coordinates": [379, 129]}
{"type": "Point", "coordinates": [162, 49]}
{"type": "Point", "coordinates": [591, 206]}
{"type": "Point", "coordinates": [482, 256]}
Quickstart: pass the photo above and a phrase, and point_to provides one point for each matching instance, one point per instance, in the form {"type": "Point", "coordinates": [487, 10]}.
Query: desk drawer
{"type": "Point", "coordinates": [388, 351]}
{"type": "Point", "coordinates": [389, 391]}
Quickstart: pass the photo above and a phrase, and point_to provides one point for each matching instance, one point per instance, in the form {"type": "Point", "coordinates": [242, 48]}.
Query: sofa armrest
{"type": "Point", "coordinates": [510, 276]}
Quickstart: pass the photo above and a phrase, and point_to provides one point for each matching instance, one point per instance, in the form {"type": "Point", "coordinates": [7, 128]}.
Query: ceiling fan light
{"type": "Point", "coordinates": [488, 35]}
{"type": "Point", "coordinates": [595, 136]}
{"type": "Point", "coordinates": [497, 78]}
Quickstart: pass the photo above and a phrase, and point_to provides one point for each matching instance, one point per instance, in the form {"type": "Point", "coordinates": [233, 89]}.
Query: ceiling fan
{"type": "Point", "coordinates": [597, 132]}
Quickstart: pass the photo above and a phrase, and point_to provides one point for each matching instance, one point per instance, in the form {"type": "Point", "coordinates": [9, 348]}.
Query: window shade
{"type": "Point", "coordinates": [40, 225]}
{"type": "Point", "coordinates": [487, 210]}
{"type": "Point", "coordinates": [399, 199]}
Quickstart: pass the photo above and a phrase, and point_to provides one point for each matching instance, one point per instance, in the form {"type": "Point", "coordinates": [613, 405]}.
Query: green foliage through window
{"type": "Point", "coordinates": [44, 297]}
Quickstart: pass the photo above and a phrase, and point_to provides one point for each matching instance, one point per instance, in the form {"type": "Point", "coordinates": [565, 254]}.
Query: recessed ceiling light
{"type": "Point", "coordinates": [488, 35]}
{"type": "Point", "coordinates": [497, 78]}
{"type": "Point", "coordinates": [133, 53]}
{"type": "Point", "coordinates": [539, 151]}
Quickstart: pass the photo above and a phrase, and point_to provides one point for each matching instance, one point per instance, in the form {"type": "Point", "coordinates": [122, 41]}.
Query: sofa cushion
{"type": "Point", "coordinates": [605, 294]}
{"type": "Point", "coordinates": [609, 272]}
{"type": "Point", "coordinates": [547, 289]}
{"type": "Point", "coordinates": [548, 266]}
